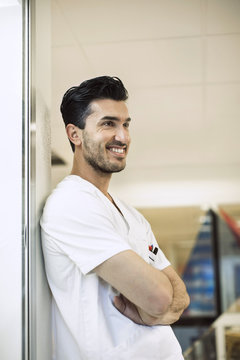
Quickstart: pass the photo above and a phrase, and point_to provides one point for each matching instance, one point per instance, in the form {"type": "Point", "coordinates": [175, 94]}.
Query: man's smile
{"type": "Point", "coordinates": [120, 151]}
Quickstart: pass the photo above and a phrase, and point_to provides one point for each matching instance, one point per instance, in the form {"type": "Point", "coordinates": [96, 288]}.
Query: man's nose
{"type": "Point", "coordinates": [122, 135]}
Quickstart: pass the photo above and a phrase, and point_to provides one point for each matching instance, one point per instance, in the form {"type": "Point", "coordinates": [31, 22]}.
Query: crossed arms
{"type": "Point", "coordinates": [148, 296]}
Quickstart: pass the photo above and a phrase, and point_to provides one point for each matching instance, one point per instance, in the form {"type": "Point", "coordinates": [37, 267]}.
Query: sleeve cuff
{"type": "Point", "coordinates": [90, 265]}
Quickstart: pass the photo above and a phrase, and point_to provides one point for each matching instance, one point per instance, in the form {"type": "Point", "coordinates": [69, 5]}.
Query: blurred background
{"type": "Point", "coordinates": [179, 60]}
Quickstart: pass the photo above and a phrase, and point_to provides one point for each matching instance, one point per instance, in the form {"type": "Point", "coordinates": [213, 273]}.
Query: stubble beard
{"type": "Point", "coordinates": [94, 155]}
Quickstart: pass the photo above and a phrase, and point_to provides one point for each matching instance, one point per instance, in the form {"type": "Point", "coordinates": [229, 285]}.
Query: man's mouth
{"type": "Point", "coordinates": [118, 150]}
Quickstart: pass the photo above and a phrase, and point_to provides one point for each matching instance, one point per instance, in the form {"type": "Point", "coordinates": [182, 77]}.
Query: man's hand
{"type": "Point", "coordinates": [132, 312]}
{"type": "Point", "coordinates": [128, 309]}
{"type": "Point", "coordinates": [181, 298]}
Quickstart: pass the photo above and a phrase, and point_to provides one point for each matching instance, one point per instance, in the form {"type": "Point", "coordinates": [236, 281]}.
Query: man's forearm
{"type": "Point", "coordinates": [173, 312]}
{"type": "Point", "coordinates": [179, 303]}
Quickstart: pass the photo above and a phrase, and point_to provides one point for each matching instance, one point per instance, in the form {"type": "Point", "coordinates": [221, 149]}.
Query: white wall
{"type": "Point", "coordinates": [11, 182]}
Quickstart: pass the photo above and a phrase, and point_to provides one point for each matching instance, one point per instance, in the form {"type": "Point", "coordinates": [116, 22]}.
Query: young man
{"type": "Point", "coordinates": [114, 292]}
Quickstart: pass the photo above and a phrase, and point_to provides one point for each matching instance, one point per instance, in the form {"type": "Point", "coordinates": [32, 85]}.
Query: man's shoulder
{"type": "Point", "coordinates": [71, 193]}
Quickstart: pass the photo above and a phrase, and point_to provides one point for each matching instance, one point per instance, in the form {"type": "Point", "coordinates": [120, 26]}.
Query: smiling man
{"type": "Point", "coordinates": [105, 139]}
{"type": "Point", "coordinates": [114, 292]}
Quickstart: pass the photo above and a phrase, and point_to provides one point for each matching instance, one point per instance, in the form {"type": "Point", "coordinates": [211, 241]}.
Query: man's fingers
{"type": "Point", "coordinates": [119, 303]}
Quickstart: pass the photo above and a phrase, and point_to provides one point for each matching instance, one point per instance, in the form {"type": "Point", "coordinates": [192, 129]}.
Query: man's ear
{"type": "Point", "coordinates": [74, 134]}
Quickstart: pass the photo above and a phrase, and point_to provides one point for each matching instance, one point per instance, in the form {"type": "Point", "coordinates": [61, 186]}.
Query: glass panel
{"type": "Point", "coordinates": [229, 249]}
{"type": "Point", "coordinates": [204, 348]}
{"type": "Point", "coordinates": [199, 275]}
{"type": "Point", "coordinates": [37, 173]}
{"type": "Point", "coordinates": [187, 335]}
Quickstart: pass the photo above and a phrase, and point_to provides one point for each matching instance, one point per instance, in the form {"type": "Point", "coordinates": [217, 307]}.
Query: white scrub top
{"type": "Point", "coordinates": [81, 228]}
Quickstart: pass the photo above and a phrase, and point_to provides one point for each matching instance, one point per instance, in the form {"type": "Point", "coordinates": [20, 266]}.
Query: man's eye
{"type": "Point", "coordinates": [108, 123]}
{"type": "Point", "coordinates": [126, 125]}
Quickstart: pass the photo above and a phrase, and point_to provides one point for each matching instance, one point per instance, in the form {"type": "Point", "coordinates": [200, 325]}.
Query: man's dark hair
{"type": "Point", "coordinates": [76, 103]}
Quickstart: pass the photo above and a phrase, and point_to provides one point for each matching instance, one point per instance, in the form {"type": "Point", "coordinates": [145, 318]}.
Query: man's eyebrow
{"type": "Point", "coordinates": [113, 118]}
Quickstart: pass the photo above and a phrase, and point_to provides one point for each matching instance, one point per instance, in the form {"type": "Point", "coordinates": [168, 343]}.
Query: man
{"type": "Point", "coordinates": [114, 292]}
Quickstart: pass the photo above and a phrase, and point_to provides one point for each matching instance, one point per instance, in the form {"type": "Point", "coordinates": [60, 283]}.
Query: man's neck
{"type": "Point", "coordinates": [87, 172]}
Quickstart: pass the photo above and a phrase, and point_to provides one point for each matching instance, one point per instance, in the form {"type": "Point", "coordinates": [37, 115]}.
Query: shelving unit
{"type": "Point", "coordinates": [221, 341]}
{"type": "Point", "coordinates": [227, 330]}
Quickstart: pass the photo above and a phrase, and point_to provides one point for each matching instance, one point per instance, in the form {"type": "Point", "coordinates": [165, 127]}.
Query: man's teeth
{"type": "Point", "coordinates": [120, 151]}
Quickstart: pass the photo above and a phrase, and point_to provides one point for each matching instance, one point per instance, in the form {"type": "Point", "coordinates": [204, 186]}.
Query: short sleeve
{"type": "Point", "coordinates": [159, 260]}
{"type": "Point", "coordinates": [83, 229]}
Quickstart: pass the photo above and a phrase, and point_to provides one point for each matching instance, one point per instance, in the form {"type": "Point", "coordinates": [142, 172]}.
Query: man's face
{"type": "Point", "coordinates": [106, 139]}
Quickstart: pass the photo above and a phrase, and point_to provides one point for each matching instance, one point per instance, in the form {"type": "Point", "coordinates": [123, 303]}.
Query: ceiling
{"type": "Point", "coordinates": [184, 89]}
